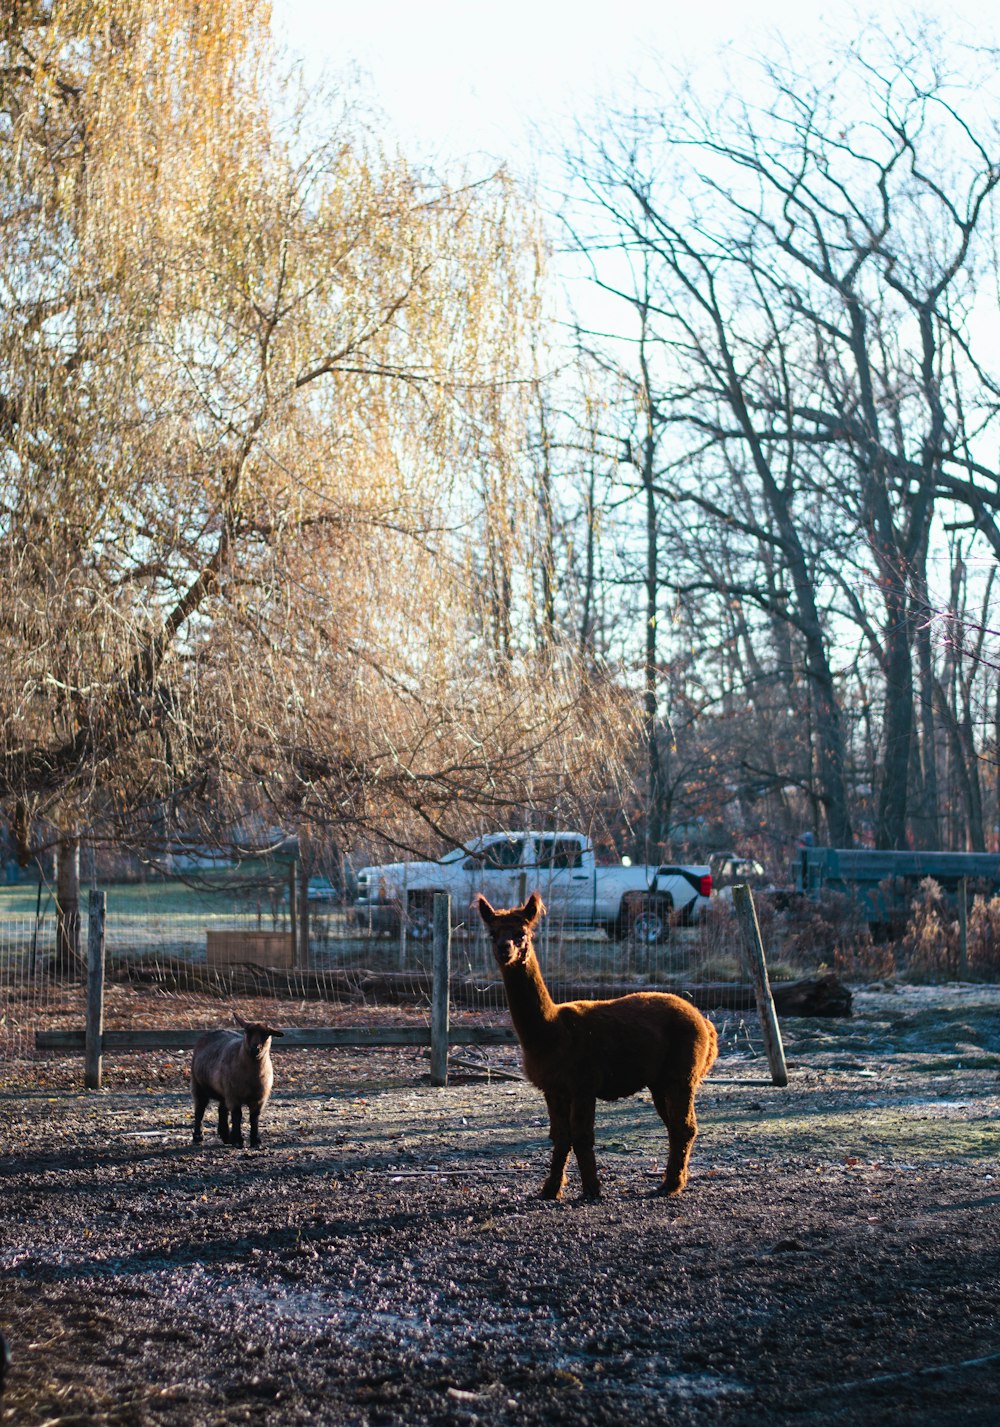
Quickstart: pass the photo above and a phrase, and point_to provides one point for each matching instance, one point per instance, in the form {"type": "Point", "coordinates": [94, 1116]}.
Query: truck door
{"type": "Point", "coordinates": [563, 881]}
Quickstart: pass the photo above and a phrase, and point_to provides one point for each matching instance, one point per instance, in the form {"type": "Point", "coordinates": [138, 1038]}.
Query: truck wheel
{"type": "Point", "coordinates": [647, 920]}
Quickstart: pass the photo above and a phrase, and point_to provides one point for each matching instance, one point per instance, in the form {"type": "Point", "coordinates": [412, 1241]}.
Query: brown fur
{"type": "Point", "coordinates": [233, 1067]}
{"type": "Point", "coordinates": [579, 1052]}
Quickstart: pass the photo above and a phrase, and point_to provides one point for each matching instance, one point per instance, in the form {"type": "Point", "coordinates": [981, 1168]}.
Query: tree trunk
{"type": "Point", "coordinates": [587, 608]}
{"type": "Point", "coordinates": [654, 772]}
{"type": "Point", "coordinates": [548, 557]}
{"type": "Point", "coordinates": [830, 763]}
{"type": "Point", "coordinates": [929, 827]}
{"type": "Point", "coordinates": [655, 820]}
{"type": "Point", "coordinates": [965, 772]}
{"type": "Point", "coordinates": [996, 781]}
{"type": "Point", "coordinates": [890, 827]}
{"type": "Point", "coordinates": [974, 791]}
{"type": "Point", "coordinates": [69, 960]}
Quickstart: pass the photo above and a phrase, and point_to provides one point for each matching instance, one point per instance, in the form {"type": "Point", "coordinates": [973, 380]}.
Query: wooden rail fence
{"type": "Point", "coordinates": [95, 1042]}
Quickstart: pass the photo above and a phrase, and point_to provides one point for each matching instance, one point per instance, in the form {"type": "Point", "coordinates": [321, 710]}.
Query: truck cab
{"type": "Point", "coordinates": [558, 865]}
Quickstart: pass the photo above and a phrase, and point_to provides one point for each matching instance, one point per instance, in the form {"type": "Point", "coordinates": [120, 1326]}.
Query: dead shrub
{"type": "Point", "coordinates": [859, 958]}
{"type": "Point", "coordinates": [928, 948]}
{"type": "Point", "coordinates": [984, 939]}
{"type": "Point", "coordinates": [826, 933]}
{"type": "Point", "coordinates": [800, 935]}
{"type": "Point", "coordinates": [805, 934]}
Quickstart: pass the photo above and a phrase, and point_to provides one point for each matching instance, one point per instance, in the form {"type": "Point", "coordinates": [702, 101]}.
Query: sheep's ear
{"type": "Point", "coordinates": [272, 1032]}
{"type": "Point", "coordinates": [532, 909]}
{"type": "Point", "coordinates": [239, 1020]}
{"type": "Point", "coordinates": [487, 913]}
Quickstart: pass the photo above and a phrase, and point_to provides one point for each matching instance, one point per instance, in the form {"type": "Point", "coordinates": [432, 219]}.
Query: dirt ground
{"type": "Point", "coordinates": [383, 1259]}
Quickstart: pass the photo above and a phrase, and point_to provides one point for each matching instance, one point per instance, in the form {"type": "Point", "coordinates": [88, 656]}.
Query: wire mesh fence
{"type": "Point", "coordinates": [184, 954]}
{"type": "Point", "coordinates": [32, 997]}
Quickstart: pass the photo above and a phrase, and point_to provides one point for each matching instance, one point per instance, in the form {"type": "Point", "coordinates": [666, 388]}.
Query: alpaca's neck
{"type": "Point", "coordinates": [531, 1007]}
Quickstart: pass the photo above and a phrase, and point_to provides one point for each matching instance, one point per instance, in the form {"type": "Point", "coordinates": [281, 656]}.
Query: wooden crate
{"type": "Point", "coordinates": [233, 948]}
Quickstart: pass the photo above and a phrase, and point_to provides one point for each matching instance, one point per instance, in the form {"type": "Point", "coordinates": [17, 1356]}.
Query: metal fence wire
{"type": "Point", "coordinates": [183, 954]}
{"type": "Point", "coordinates": [32, 997]}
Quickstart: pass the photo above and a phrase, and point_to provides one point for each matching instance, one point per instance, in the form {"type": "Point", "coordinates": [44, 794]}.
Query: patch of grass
{"type": "Point", "coordinates": [915, 1133]}
{"type": "Point", "coordinates": [719, 967]}
{"type": "Point", "coordinates": [168, 918]}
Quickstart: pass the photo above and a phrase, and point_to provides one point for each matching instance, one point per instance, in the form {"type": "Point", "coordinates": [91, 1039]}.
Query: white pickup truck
{"type": "Point", "coordinates": [636, 902]}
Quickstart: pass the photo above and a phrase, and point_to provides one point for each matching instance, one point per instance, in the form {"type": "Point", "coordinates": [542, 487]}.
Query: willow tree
{"type": "Point", "coordinates": [246, 377]}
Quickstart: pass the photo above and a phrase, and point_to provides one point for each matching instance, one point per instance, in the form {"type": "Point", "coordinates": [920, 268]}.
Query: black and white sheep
{"type": "Point", "coordinates": [233, 1067]}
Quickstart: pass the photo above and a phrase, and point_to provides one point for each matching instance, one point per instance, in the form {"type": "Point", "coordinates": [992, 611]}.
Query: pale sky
{"type": "Point", "coordinates": [458, 77]}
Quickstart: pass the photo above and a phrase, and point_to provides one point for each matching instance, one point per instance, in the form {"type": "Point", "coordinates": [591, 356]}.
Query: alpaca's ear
{"type": "Point", "coordinates": [272, 1032]}
{"type": "Point", "coordinates": [487, 913]}
{"type": "Point", "coordinates": [532, 909]}
{"type": "Point", "coordinates": [239, 1020]}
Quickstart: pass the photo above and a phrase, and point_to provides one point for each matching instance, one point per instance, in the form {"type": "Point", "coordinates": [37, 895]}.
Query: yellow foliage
{"type": "Point", "coordinates": [261, 421]}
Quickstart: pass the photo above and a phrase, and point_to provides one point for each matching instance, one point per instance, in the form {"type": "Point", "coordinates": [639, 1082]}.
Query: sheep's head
{"type": "Point", "coordinates": [510, 928]}
{"type": "Point", "coordinates": [256, 1036]}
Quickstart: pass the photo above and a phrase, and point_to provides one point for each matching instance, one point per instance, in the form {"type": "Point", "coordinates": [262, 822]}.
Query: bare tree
{"type": "Point", "coordinates": [815, 258]}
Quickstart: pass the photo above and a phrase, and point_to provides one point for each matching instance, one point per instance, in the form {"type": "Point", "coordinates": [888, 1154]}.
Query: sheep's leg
{"type": "Point", "coordinates": [236, 1136]}
{"type": "Point", "coordinates": [581, 1121]}
{"type": "Point", "coordinates": [223, 1122]}
{"type": "Point", "coordinates": [201, 1099]}
{"type": "Point", "coordinates": [675, 1106]}
{"type": "Point", "coordinates": [562, 1140]}
{"type": "Point", "coordinates": [254, 1118]}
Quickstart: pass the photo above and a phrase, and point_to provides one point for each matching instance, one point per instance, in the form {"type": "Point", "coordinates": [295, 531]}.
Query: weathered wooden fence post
{"type": "Point", "coordinates": [963, 929]}
{"type": "Point", "coordinates": [441, 989]}
{"type": "Point", "coordinates": [93, 1048]}
{"type": "Point", "coordinates": [754, 948]}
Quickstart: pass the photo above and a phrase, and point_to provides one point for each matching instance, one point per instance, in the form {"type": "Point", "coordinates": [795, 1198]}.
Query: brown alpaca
{"type": "Point", "coordinates": [579, 1052]}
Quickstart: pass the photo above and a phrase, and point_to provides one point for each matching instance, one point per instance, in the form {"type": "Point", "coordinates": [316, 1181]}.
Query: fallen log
{"type": "Point", "coordinates": [821, 995]}
{"type": "Point", "coordinates": [824, 995]}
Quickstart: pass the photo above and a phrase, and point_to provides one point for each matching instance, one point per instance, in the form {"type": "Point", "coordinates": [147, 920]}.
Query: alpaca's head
{"type": "Point", "coordinates": [510, 928]}
{"type": "Point", "coordinates": [256, 1036]}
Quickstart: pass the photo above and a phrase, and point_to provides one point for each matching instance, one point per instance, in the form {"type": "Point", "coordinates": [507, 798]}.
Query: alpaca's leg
{"type": "Point", "coordinates": [675, 1106]}
{"type": "Point", "coordinates": [223, 1122]}
{"type": "Point", "coordinates": [581, 1122]}
{"type": "Point", "coordinates": [562, 1139]}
